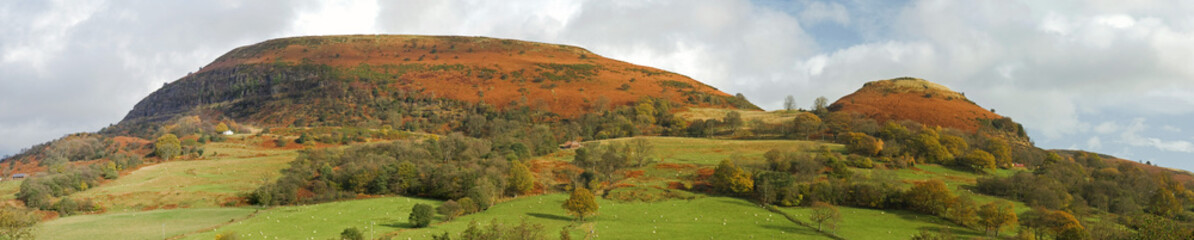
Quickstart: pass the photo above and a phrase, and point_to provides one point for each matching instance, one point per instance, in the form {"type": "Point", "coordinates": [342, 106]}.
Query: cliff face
{"type": "Point", "coordinates": [281, 81]}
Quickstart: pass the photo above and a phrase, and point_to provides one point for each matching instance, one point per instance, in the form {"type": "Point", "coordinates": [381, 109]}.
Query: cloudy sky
{"type": "Point", "coordinates": [1110, 76]}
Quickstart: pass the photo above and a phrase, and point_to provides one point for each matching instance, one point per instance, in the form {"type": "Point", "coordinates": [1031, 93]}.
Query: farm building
{"type": "Point", "coordinates": [570, 145]}
{"type": "Point", "coordinates": [18, 176]}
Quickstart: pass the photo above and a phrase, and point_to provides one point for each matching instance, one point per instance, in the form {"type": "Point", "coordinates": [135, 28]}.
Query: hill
{"type": "Point", "coordinates": [349, 80]}
{"type": "Point", "coordinates": [917, 100]}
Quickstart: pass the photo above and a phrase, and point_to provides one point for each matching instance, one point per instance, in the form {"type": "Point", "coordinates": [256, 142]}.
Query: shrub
{"type": "Point", "coordinates": [352, 233]}
{"type": "Point", "coordinates": [420, 215]}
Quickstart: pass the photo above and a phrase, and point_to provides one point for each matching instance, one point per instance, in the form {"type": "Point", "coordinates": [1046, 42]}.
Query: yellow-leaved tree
{"type": "Point", "coordinates": [581, 203]}
{"type": "Point", "coordinates": [167, 146]}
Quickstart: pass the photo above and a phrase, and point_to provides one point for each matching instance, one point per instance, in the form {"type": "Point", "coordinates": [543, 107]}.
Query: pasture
{"type": "Point", "coordinates": [139, 225]}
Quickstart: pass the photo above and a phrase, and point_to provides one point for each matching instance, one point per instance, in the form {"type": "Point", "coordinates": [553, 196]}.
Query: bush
{"type": "Point", "coordinates": [421, 215]}
{"type": "Point", "coordinates": [352, 233]}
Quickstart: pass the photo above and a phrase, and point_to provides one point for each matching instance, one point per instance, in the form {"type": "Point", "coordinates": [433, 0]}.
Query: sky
{"type": "Point", "coordinates": [1109, 76]}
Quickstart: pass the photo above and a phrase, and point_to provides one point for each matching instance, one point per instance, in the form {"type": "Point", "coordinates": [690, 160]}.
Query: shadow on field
{"type": "Point", "coordinates": [792, 229]}
{"type": "Point", "coordinates": [948, 226]}
{"type": "Point", "coordinates": [398, 225]}
{"type": "Point", "coordinates": [550, 216]}
{"type": "Point", "coordinates": [740, 203]}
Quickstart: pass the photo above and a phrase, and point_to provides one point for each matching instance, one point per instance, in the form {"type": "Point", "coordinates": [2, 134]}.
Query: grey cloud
{"type": "Point", "coordinates": [79, 67]}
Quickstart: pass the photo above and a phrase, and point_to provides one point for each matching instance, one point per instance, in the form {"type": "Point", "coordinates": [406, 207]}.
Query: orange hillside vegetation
{"type": "Point", "coordinates": [917, 100]}
{"type": "Point", "coordinates": [566, 80]}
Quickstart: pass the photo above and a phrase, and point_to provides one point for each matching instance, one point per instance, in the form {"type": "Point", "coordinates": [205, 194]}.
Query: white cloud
{"type": "Point", "coordinates": [1094, 143]}
{"type": "Point", "coordinates": [1131, 135]}
{"type": "Point", "coordinates": [817, 12]}
{"type": "Point", "coordinates": [1106, 127]}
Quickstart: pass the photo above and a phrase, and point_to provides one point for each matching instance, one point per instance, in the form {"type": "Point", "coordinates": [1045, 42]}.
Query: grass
{"type": "Point", "coordinates": [138, 225]}
{"type": "Point", "coordinates": [9, 189]}
{"type": "Point", "coordinates": [703, 151]}
{"type": "Point", "coordinates": [199, 183]}
{"type": "Point", "coordinates": [322, 221]}
{"type": "Point", "coordinates": [725, 218]}
{"type": "Point", "coordinates": [772, 117]}
{"type": "Point", "coordinates": [862, 223]}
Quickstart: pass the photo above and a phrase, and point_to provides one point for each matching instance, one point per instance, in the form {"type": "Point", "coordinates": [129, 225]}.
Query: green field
{"type": "Point", "coordinates": [862, 223]}
{"type": "Point", "coordinates": [322, 221]}
{"type": "Point", "coordinates": [726, 218]}
{"type": "Point", "coordinates": [9, 189]}
{"type": "Point", "coordinates": [139, 225]}
{"type": "Point", "coordinates": [196, 183]}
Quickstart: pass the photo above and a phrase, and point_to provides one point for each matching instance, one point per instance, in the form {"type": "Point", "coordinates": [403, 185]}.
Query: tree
{"type": "Point", "coordinates": [581, 203]}
{"type": "Point", "coordinates": [805, 125]}
{"type": "Point", "coordinates": [820, 105]}
{"type": "Point", "coordinates": [789, 103]}
{"type": "Point", "coordinates": [16, 223]}
{"type": "Point", "coordinates": [929, 197]}
{"type": "Point", "coordinates": [521, 181]}
{"type": "Point", "coordinates": [449, 209]}
{"type": "Point", "coordinates": [930, 149]}
{"type": "Point", "coordinates": [420, 215]}
{"type": "Point", "coordinates": [978, 160]}
{"type": "Point", "coordinates": [1003, 153]}
{"type": "Point", "coordinates": [167, 146]}
{"type": "Point", "coordinates": [733, 120]}
{"type": "Point", "coordinates": [467, 205]}
{"type": "Point", "coordinates": [1164, 203]}
{"type": "Point", "coordinates": [997, 215]}
{"type": "Point", "coordinates": [1060, 224]}
{"type": "Point", "coordinates": [728, 178]}
{"type": "Point", "coordinates": [860, 143]}
{"type": "Point", "coordinates": [825, 213]}
{"type": "Point", "coordinates": [963, 211]}
{"type": "Point", "coordinates": [221, 128]}
{"type": "Point", "coordinates": [483, 193]}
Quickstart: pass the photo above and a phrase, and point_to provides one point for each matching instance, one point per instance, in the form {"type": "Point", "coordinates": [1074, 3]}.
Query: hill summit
{"type": "Point", "coordinates": [339, 79]}
{"type": "Point", "coordinates": [917, 100]}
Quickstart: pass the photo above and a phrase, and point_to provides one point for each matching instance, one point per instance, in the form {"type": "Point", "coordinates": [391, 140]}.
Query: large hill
{"type": "Point", "coordinates": [339, 80]}
{"type": "Point", "coordinates": [917, 100]}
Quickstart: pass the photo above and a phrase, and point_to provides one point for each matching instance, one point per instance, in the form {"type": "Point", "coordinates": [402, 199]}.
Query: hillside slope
{"type": "Point", "coordinates": [924, 102]}
{"type": "Point", "coordinates": [336, 79]}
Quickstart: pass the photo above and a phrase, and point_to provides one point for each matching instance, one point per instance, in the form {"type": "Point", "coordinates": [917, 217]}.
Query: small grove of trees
{"type": "Point", "coordinates": [930, 197]}
{"type": "Point", "coordinates": [1059, 224]}
{"type": "Point", "coordinates": [451, 167]}
{"type": "Point", "coordinates": [860, 143]}
{"type": "Point", "coordinates": [730, 179]}
{"type": "Point", "coordinates": [167, 146]}
{"type": "Point", "coordinates": [581, 203]}
{"type": "Point", "coordinates": [16, 223]}
{"type": "Point", "coordinates": [421, 215]}
{"type": "Point", "coordinates": [607, 159]}
{"type": "Point", "coordinates": [996, 216]}
{"type": "Point", "coordinates": [497, 230]}
{"type": "Point", "coordinates": [39, 192]}
{"type": "Point", "coordinates": [521, 180]}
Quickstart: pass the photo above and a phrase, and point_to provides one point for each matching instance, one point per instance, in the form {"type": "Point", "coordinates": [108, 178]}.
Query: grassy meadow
{"type": "Point", "coordinates": [139, 225]}
{"type": "Point", "coordinates": [229, 168]}
{"type": "Point", "coordinates": [9, 189]}
{"type": "Point", "coordinates": [322, 221]}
